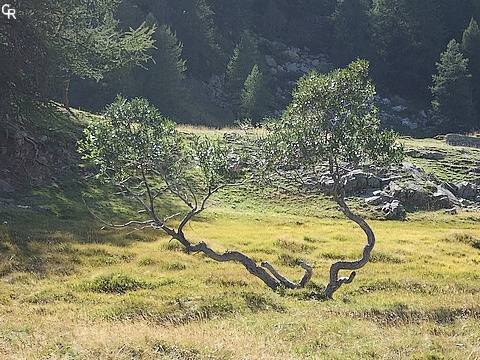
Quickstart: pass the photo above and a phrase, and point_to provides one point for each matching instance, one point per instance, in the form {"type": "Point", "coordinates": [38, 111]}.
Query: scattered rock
{"type": "Point", "coordinates": [426, 154]}
{"type": "Point", "coordinates": [270, 61]}
{"type": "Point", "coordinates": [399, 108]}
{"type": "Point", "coordinates": [5, 187]}
{"type": "Point", "coordinates": [394, 210]}
{"type": "Point", "coordinates": [358, 181]}
{"type": "Point", "coordinates": [374, 200]}
{"type": "Point", "coordinates": [452, 211]}
{"type": "Point", "coordinates": [409, 123]}
{"type": "Point", "coordinates": [466, 190]}
{"type": "Point", "coordinates": [462, 140]}
{"type": "Point", "coordinates": [444, 199]}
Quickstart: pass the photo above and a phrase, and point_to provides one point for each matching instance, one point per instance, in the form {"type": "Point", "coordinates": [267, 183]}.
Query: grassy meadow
{"type": "Point", "coordinates": [70, 289]}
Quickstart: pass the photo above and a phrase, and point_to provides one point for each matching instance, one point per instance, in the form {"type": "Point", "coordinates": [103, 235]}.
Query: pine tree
{"type": "Point", "coordinates": [245, 56]}
{"type": "Point", "coordinates": [252, 95]}
{"type": "Point", "coordinates": [471, 49]}
{"type": "Point", "coordinates": [408, 36]}
{"type": "Point", "coordinates": [57, 40]}
{"type": "Point", "coordinates": [163, 81]}
{"type": "Point", "coordinates": [352, 32]}
{"type": "Point", "coordinates": [192, 20]}
{"type": "Point", "coordinates": [452, 89]}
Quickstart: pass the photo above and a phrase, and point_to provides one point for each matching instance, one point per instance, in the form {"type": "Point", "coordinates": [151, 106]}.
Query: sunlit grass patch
{"type": "Point", "coordinates": [69, 289]}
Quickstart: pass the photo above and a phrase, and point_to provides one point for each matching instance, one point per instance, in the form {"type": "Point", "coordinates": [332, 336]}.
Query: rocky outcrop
{"type": "Point", "coordinates": [406, 187]}
{"type": "Point", "coordinates": [36, 155]}
{"type": "Point", "coordinates": [462, 140]}
{"type": "Point", "coordinates": [283, 65]}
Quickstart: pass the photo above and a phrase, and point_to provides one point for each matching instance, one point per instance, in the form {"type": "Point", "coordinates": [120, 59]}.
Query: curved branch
{"type": "Point", "coordinates": [335, 281]}
{"type": "Point", "coordinates": [273, 279]}
{"type": "Point", "coordinates": [228, 255]}
{"type": "Point", "coordinates": [287, 283]}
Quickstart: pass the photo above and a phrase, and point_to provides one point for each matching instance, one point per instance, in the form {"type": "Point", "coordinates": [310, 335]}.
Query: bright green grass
{"type": "Point", "coordinates": [456, 164]}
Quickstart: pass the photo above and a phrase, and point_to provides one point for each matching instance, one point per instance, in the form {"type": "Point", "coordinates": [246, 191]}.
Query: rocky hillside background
{"type": "Point", "coordinates": [441, 173]}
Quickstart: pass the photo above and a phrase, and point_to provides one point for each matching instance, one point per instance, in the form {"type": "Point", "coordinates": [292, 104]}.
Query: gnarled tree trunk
{"type": "Point", "coordinates": [339, 197]}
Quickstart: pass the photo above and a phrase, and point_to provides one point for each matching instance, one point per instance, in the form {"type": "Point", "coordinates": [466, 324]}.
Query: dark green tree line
{"type": "Point", "coordinates": [402, 39]}
{"type": "Point", "coordinates": [50, 42]}
{"type": "Point", "coordinates": [470, 47]}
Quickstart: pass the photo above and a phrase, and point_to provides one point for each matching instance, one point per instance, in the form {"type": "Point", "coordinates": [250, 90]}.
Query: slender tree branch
{"type": "Point", "coordinates": [287, 283]}
{"type": "Point", "coordinates": [335, 282]}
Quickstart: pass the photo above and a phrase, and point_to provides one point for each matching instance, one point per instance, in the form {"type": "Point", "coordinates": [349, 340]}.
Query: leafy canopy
{"type": "Point", "coordinates": [130, 137]}
{"type": "Point", "coordinates": [332, 117]}
{"type": "Point", "coordinates": [134, 144]}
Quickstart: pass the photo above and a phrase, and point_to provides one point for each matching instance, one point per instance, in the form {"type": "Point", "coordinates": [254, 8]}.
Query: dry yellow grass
{"type": "Point", "coordinates": [418, 298]}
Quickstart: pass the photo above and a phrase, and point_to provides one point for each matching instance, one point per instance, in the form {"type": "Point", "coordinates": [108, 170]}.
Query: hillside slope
{"type": "Point", "coordinates": [72, 289]}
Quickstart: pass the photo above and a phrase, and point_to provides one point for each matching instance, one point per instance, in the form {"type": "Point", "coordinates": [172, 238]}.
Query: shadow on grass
{"type": "Point", "coordinates": [401, 315]}
{"type": "Point", "coordinates": [39, 229]}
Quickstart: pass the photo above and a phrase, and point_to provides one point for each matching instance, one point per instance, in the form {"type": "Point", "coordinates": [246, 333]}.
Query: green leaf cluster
{"type": "Point", "coordinates": [132, 137]}
{"type": "Point", "coordinates": [136, 147]}
{"type": "Point", "coordinates": [52, 41]}
{"type": "Point", "coordinates": [332, 117]}
{"type": "Point", "coordinates": [220, 162]}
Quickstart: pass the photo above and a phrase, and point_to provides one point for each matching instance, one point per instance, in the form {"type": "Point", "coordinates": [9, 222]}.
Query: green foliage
{"type": "Point", "coordinates": [332, 116]}
{"type": "Point", "coordinates": [245, 56]}
{"type": "Point", "coordinates": [253, 95]}
{"type": "Point", "coordinates": [218, 161]}
{"type": "Point", "coordinates": [452, 88]}
{"type": "Point", "coordinates": [141, 151]}
{"type": "Point", "coordinates": [192, 20]}
{"type": "Point", "coordinates": [470, 47]}
{"type": "Point", "coordinates": [65, 39]}
{"type": "Point", "coordinates": [132, 136]}
{"type": "Point", "coordinates": [163, 81]}
{"type": "Point", "coordinates": [407, 37]}
{"type": "Point", "coordinates": [352, 33]}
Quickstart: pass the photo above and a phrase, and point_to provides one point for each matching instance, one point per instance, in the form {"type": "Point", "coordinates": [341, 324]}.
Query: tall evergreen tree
{"type": "Point", "coordinates": [192, 21]}
{"type": "Point", "coordinates": [253, 96]}
{"type": "Point", "coordinates": [352, 33]}
{"type": "Point", "coordinates": [452, 89]}
{"type": "Point", "coordinates": [233, 17]}
{"type": "Point", "coordinates": [271, 18]}
{"type": "Point", "coordinates": [163, 81]}
{"type": "Point", "coordinates": [75, 38]}
{"type": "Point", "coordinates": [245, 56]}
{"type": "Point", "coordinates": [408, 36]}
{"type": "Point", "coordinates": [471, 50]}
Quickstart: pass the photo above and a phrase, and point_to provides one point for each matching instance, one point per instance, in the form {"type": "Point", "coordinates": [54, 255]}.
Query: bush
{"type": "Point", "coordinates": [116, 284]}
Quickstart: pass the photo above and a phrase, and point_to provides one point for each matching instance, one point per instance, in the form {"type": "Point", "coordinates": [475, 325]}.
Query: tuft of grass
{"type": "Point", "coordinates": [167, 351]}
{"type": "Point", "coordinates": [294, 246]}
{"type": "Point", "coordinates": [333, 255]}
{"type": "Point", "coordinates": [260, 302]}
{"type": "Point", "coordinates": [116, 283]}
{"type": "Point", "coordinates": [465, 238]}
{"type": "Point", "coordinates": [381, 257]}
{"type": "Point", "coordinates": [286, 259]}
{"type": "Point", "coordinates": [175, 266]}
{"type": "Point", "coordinates": [148, 261]}
{"type": "Point", "coordinates": [174, 246]}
